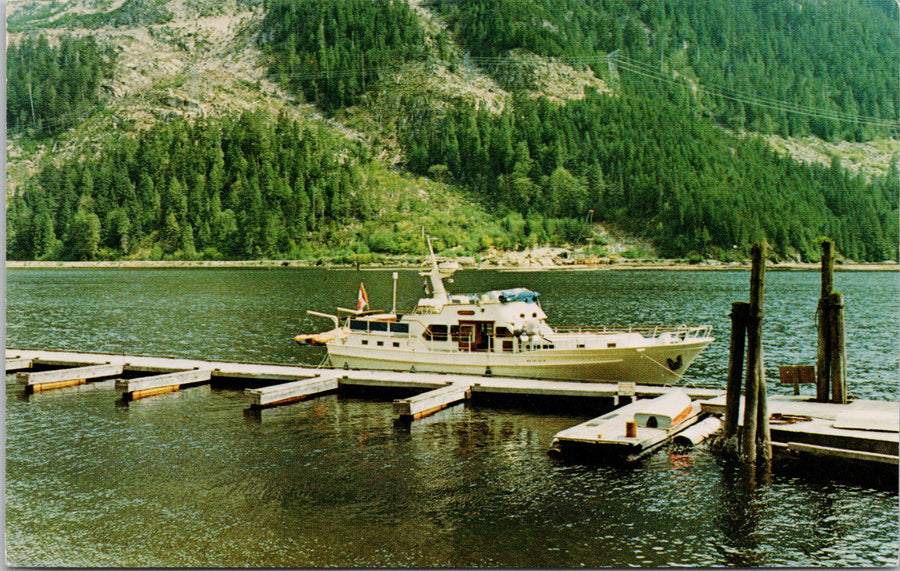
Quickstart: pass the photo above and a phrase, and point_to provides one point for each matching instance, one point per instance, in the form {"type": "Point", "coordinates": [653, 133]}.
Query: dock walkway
{"type": "Point", "coordinates": [288, 383]}
{"type": "Point", "coordinates": [863, 430]}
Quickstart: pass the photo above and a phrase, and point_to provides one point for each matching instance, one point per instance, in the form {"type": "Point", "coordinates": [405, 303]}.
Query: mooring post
{"type": "Point", "coordinates": [754, 348]}
{"type": "Point", "coordinates": [763, 435]}
{"type": "Point", "coordinates": [739, 312]}
{"type": "Point", "coordinates": [823, 313]}
{"type": "Point", "coordinates": [838, 356]}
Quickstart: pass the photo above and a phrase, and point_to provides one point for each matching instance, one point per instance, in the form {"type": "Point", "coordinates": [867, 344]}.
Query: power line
{"type": "Point", "coordinates": [651, 72]}
{"type": "Point", "coordinates": [623, 63]}
{"type": "Point", "coordinates": [635, 67]}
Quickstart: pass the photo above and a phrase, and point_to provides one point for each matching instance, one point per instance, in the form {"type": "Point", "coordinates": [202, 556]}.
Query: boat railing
{"type": "Point", "coordinates": [680, 332]}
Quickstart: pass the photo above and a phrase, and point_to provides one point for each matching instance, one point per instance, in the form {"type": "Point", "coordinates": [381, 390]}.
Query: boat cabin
{"type": "Point", "coordinates": [496, 321]}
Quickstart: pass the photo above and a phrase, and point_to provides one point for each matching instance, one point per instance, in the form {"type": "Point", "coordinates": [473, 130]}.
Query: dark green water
{"type": "Point", "coordinates": [190, 479]}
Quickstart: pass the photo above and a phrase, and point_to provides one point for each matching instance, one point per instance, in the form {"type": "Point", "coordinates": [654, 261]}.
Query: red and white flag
{"type": "Point", "coordinates": [363, 299]}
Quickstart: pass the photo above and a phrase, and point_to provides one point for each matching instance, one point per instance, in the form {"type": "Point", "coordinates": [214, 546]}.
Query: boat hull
{"type": "Point", "coordinates": [651, 365]}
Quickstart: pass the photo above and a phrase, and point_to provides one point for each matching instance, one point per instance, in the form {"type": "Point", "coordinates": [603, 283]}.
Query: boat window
{"type": "Point", "coordinates": [396, 344]}
{"type": "Point", "coordinates": [378, 326]}
{"type": "Point", "coordinates": [365, 341]}
{"type": "Point", "coordinates": [507, 345]}
{"type": "Point", "coordinates": [399, 327]}
{"type": "Point", "coordinates": [358, 325]}
{"type": "Point", "coordinates": [462, 332]}
{"type": "Point", "coordinates": [436, 332]}
{"type": "Point", "coordinates": [380, 343]}
{"type": "Point", "coordinates": [502, 332]}
{"type": "Point", "coordinates": [610, 345]}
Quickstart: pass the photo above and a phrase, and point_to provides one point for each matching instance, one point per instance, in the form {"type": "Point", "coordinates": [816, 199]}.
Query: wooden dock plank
{"type": "Point", "coordinates": [389, 379]}
{"type": "Point", "coordinates": [501, 385]}
{"type": "Point", "coordinates": [291, 392]}
{"type": "Point", "coordinates": [67, 377]}
{"type": "Point", "coordinates": [432, 401]}
{"type": "Point", "coordinates": [843, 454]}
{"type": "Point", "coordinates": [134, 389]}
{"type": "Point", "coordinates": [823, 424]}
{"type": "Point", "coordinates": [18, 363]}
{"type": "Point", "coordinates": [802, 405]}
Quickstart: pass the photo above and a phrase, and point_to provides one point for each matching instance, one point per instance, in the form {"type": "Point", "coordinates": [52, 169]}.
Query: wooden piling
{"type": "Point", "coordinates": [838, 360]}
{"type": "Point", "coordinates": [823, 356]}
{"type": "Point", "coordinates": [753, 377]}
{"type": "Point", "coordinates": [763, 436]}
{"type": "Point", "coordinates": [827, 267]}
{"type": "Point", "coordinates": [739, 312]}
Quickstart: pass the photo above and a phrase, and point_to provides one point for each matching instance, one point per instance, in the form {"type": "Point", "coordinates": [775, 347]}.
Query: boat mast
{"type": "Point", "coordinates": [437, 284]}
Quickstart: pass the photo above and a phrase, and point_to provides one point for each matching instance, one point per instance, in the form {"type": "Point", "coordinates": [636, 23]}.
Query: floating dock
{"type": "Point", "coordinates": [293, 391]}
{"type": "Point", "coordinates": [860, 431]}
{"type": "Point", "coordinates": [277, 384]}
{"type": "Point", "coordinates": [631, 432]}
{"type": "Point", "coordinates": [864, 431]}
{"type": "Point", "coordinates": [66, 377]}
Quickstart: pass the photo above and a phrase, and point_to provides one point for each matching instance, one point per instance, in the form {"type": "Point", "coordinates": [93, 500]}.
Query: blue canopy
{"type": "Point", "coordinates": [518, 294]}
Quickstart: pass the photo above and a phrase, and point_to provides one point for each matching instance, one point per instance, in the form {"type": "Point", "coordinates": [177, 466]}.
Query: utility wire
{"type": "Point", "coordinates": [639, 68]}
{"type": "Point", "coordinates": [622, 63]}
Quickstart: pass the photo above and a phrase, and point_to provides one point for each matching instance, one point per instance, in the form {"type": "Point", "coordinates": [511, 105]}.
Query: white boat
{"type": "Point", "coordinates": [504, 333]}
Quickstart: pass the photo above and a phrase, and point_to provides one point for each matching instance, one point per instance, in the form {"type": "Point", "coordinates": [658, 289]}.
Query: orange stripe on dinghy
{"type": "Point", "coordinates": [682, 416]}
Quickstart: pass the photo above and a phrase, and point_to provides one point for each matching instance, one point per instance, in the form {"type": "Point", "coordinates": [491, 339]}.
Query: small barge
{"type": "Point", "coordinates": [631, 432]}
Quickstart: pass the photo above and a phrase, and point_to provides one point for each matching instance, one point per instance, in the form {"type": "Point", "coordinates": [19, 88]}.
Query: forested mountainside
{"type": "Point", "coordinates": [750, 61]}
{"type": "Point", "coordinates": [439, 116]}
{"type": "Point", "coordinates": [50, 89]}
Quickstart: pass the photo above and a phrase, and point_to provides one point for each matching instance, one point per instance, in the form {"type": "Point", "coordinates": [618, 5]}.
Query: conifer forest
{"type": "Point", "coordinates": [674, 149]}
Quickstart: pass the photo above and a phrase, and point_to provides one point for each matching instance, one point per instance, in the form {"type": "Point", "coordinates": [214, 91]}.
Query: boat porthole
{"type": "Point", "coordinates": [651, 422]}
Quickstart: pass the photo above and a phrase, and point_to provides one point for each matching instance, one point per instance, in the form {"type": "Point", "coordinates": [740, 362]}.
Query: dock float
{"type": "Point", "coordinates": [631, 432]}
{"type": "Point", "coordinates": [67, 377]}
{"type": "Point", "coordinates": [862, 430]}
{"type": "Point", "coordinates": [291, 392]}
{"type": "Point", "coordinates": [17, 363]}
{"type": "Point", "coordinates": [422, 405]}
{"type": "Point", "coordinates": [134, 389]}
{"type": "Point", "coordinates": [270, 384]}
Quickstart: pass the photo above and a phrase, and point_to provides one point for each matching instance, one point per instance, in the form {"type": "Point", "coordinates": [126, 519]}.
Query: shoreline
{"type": "Point", "coordinates": [501, 265]}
